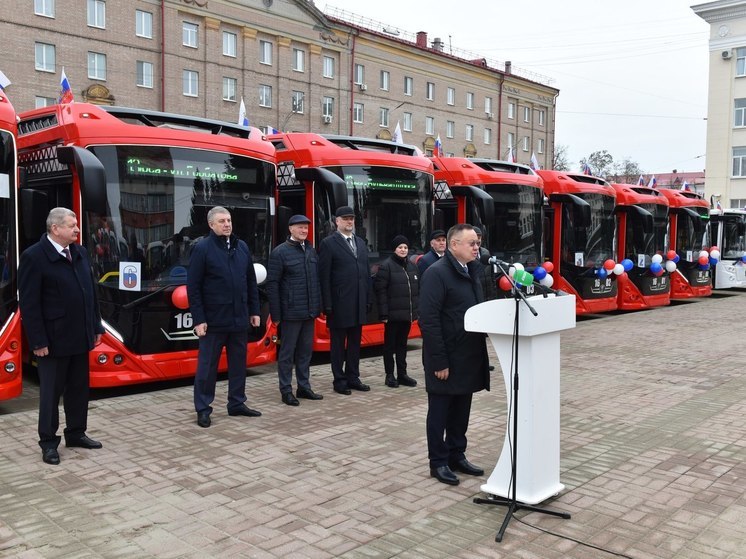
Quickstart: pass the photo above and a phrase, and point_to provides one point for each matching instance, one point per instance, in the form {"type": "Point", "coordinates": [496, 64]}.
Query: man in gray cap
{"type": "Point", "coordinates": [437, 250]}
{"type": "Point", "coordinates": [345, 291]}
{"type": "Point", "coordinates": [294, 296]}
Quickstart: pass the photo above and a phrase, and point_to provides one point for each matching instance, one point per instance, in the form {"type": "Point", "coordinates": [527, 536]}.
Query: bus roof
{"type": "Point", "coordinates": [462, 171]}
{"type": "Point", "coordinates": [560, 182]}
{"type": "Point", "coordinates": [683, 198]}
{"type": "Point", "coordinates": [631, 194]}
{"type": "Point", "coordinates": [88, 124]}
{"type": "Point", "coordinates": [315, 150]}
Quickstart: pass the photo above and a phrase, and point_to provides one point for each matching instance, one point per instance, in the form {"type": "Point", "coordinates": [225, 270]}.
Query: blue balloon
{"type": "Point", "coordinates": [676, 259]}
{"type": "Point", "coordinates": [703, 267]}
{"type": "Point", "coordinates": [628, 264]}
{"type": "Point", "coordinates": [602, 273]}
{"type": "Point", "coordinates": [655, 268]}
{"type": "Point", "coordinates": [713, 261]}
{"type": "Point", "coordinates": [539, 273]}
{"type": "Point", "coordinates": [743, 258]}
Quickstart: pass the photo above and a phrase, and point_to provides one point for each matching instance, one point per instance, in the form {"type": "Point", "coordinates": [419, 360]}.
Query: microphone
{"type": "Point", "coordinates": [488, 260]}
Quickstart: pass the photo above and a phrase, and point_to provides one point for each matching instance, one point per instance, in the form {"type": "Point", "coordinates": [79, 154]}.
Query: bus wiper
{"type": "Point", "coordinates": [145, 298]}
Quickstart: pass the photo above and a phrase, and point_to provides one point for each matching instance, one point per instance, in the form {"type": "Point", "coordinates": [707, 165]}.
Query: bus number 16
{"type": "Point", "coordinates": [184, 320]}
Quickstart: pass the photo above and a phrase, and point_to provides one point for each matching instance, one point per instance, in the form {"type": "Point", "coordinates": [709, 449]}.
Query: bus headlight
{"type": "Point", "coordinates": [102, 358]}
{"type": "Point", "coordinates": [10, 367]}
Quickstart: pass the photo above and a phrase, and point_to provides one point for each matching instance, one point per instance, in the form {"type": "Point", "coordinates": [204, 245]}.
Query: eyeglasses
{"type": "Point", "coordinates": [470, 243]}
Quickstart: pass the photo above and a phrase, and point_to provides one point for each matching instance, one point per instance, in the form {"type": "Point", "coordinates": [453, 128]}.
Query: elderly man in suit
{"type": "Point", "coordinates": [437, 250]}
{"type": "Point", "coordinates": [345, 290]}
{"type": "Point", "coordinates": [58, 302]}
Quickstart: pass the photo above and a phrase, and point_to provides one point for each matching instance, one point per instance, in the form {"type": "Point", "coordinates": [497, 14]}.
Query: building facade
{"type": "Point", "coordinates": [725, 176]}
{"type": "Point", "coordinates": [295, 67]}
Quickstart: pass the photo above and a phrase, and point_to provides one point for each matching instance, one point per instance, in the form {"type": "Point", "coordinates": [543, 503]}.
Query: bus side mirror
{"type": "Point", "coordinates": [91, 175]}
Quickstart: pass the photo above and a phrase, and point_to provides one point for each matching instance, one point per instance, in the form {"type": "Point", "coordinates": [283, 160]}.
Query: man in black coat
{"type": "Point", "coordinates": [455, 361]}
{"type": "Point", "coordinates": [345, 290]}
{"type": "Point", "coordinates": [224, 301]}
{"type": "Point", "coordinates": [294, 294]}
{"type": "Point", "coordinates": [59, 306]}
{"type": "Point", "coordinates": [437, 249]}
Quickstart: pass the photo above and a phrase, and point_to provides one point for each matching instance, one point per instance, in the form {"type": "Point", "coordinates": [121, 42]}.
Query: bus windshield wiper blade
{"type": "Point", "coordinates": [145, 298]}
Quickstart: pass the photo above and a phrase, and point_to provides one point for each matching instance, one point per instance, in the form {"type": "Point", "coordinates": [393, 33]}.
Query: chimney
{"type": "Point", "coordinates": [422, 39]}
{"type": "Point", "coordinates": [438, 44]}
{"type": "Point", "coordinates": [508, 67]}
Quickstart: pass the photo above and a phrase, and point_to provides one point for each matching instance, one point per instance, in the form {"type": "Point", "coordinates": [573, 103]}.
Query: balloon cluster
{"type": "Point", "coordinates": [610, 267]}
{"type": "Point", "coordinates": [707, 259]}
{"type": "Point", "coordinates": [521, 277]}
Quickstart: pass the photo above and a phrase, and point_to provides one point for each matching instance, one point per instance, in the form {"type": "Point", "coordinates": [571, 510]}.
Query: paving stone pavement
{"type": "Point", "coordinates": [653, 445]}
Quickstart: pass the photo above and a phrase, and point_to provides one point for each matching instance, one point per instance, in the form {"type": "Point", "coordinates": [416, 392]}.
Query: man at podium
{"type": "Point", "coordinates": [455, 361]}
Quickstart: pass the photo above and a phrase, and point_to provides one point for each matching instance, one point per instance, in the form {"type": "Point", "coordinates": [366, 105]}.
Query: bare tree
{"type": "Point", "coordinates": [626, 172]}
{"type": "Point", "coordinates": [559, 158]}
{"type": "Point", "coordinates": [600, 162]}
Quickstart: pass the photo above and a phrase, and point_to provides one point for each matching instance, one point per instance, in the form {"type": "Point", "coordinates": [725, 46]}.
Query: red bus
{"type": "Point", "coordinates": [511, 217]}
{"type": "Point", "coordinates": [728, 231]}
{"type": "Point", "coordinates": [10, 321]}
{"type": "Point", "coordinates": [689, 233]}
{"type": "Point", "coordinates": [580, 239]}
{"type": "Point", "coordinates": [141, 183]}
{"type": "Point", "coordinates": [389, 185]}
{"type": "Point", "coordinates": [642, 244]}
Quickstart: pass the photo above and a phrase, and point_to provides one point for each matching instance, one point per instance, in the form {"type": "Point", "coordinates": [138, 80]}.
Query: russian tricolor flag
{"type": "Point", "coordinates": [66, 94]}
{"type": "Point", "coordinates": [243, 120]}
{"type": "Point", "coordinates": [438, 148]}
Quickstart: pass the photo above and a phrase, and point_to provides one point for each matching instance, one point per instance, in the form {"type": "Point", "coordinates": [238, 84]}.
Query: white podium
{"type": "Point", "coordinates": [538, 463]}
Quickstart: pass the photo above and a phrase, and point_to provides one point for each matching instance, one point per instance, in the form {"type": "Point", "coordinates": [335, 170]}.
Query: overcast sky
{"type": "Point", "coordinates": [632, 74]}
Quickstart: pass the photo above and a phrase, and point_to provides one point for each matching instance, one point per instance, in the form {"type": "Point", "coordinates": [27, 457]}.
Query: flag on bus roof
{"type": "Point", "coordinates": [243, 120]}
{"type": "Point", "coordinates": [4, 81]}
{"type": "Point", "coordinates": [653, 182]}
{"type": "Point", "coordinates": [273, 130]}
{"type": "Point", "coordinates": [438, 148]}
{"type": "Point", "coordinates": [534, 162]}
{"type": "Point", "coordinates": [66, 94]}
{"type": "Point", "coordinates": [511, 159]}
{"type": "Point", "coordinates": [397, 137]}
{"type": "Point", "coordinates": [719, 207]}
{"type": "Point", "coordinates": [685, 187]}
{"type": "Point", "coordinates": [641, 181]}
{"type": "Point", "coordinates": [587, 169]}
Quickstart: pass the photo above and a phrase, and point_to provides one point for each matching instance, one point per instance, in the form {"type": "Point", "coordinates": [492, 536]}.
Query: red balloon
{"type": "Point", "coordinates": [704, 260]}
{"type": "Point", "coordinates": [609, 265]}
{"type": "Point", "coordinates": [671, 254]}
{"type": "Point", "coordinates": [179, 297]}
{"type": "Point", "coordinates": [548, 266]}
{"type": "Point", "coordinates": [504, 283]}
{"type": "Point", "coordinates": [714, 248]}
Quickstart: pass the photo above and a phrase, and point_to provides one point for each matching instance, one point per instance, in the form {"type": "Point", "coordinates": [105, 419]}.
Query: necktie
{"type": "Point", "coordinates": [67, 254]}
{"type": "Point", "coordinates": [351, 242]}
{"type": "Point", "coordinates": [466, 269]}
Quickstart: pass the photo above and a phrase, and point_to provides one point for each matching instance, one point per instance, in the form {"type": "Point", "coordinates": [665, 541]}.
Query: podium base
{"type": "Point", "coordinates": [513, 507]}
{"type": "Point", "coordinates": [529, 497]}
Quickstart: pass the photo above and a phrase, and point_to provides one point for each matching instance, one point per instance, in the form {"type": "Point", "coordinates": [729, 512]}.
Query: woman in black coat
{"type": "Point", "coordinates": [397, 289]}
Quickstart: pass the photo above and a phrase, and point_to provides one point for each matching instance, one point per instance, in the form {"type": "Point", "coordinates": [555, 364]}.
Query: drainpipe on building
{"type": "Point", "coordinates": [163, 56]}
{"type": "Point", "coordinates": [352, 84]}
{"type": "Point", "coordinates": [500, 116]}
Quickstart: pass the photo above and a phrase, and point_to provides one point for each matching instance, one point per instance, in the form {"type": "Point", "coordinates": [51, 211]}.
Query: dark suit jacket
{"type": "Point", "coordinates": [58, 301]}
{"type": "Point", "coordinates": [345, 281]}
{"type": "Point", "coordinates": [427, 260]}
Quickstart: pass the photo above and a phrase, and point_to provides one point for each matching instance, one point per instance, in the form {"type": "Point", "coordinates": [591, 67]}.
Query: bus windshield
{"type": "Point", "coordinates": [691, 233]}
{"type": "Point", "coordinates": [389, 201]}
{"type": "Point", "coordinates": [646, 243]}
{"type": "Point", "coordinates": [8, 285]}
{"type": "Point", "coordinates": [516, 231]}
{"type": "Point", "coordinates": [589, 245]}
{"type": "Point", "coordinates": [158, 199]}
{"type": "Point", "coordinates": [734, 240]}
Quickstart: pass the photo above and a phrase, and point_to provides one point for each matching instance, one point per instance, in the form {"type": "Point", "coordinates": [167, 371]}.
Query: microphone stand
{"type": "Point", "coordinates": [512, 502]}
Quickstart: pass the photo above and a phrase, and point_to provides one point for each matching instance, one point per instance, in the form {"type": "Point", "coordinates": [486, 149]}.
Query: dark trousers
{"type": "Point", "coordinates": [296, 347]}
{"type": "Point", "coordinates": [345, 355]}
{"type": "Point", "coordinates": [447, 422]}
{"type": "Point", "coordinates": [66, 377]}
{"type": "Point", "coordinates": [395, 334]}
{"type": "Point", "coordinates": [210, 346]}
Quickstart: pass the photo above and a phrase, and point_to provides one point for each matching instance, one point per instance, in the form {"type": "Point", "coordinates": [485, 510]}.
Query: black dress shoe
{"type": "Point", "coordinates": [50, 456]}
{"type": "Point", "coordinates": [444, 475]}
{"type": "Point", "coordinates": [243, 409]}
{"type": "Point", "coordinates": [391, 382]}
{"type": "Point", "coordinates": [344, 391]}
{"type": "Point", "coordinates": [289, 399]}
{"type": "Point", "coordinates": [203, 419]}
{"type": "Point", "coordinates": [308, 394]}
{"type": "Point", "coordinates": [359, 386]}
{"type": "Point", "coordinates": [466, 467]}
{"type": "Point", "coordinates": [84, 442]}
{"type": "Point", "coordinates": [406, 380]}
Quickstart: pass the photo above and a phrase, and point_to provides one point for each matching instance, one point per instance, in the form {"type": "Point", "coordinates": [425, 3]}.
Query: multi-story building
{"type": "Point", "coordinates": [296, 68]}
{"type": "Point", "coordinates": [725, 175]}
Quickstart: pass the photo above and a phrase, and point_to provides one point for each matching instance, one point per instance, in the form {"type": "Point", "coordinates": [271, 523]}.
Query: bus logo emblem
{"type": "Point", "coordinates": [129, 276]}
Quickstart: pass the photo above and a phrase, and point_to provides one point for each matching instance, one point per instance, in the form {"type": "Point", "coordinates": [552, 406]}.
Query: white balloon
{"type": "Point", "coordinates": [670, 266]}
{"type": "Point", "coordinates": [704, 253]}
{"type": "Point", "coordinates": [715, 254]}
{"type": "Point", "coordinates": [511, 271]}
{"type": "Point", "coordinates": [261, 273]}
{"type": "Point", "coordinates": [518, 266]}
{"type": "Point", "coordinates": [657, 258]}
{"type": "Point", "coordinates": [619, 269]}
{"type": "Point", "coordinates": [547, 281]}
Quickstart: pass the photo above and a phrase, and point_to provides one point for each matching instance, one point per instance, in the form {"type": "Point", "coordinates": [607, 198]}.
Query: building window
{"type": "Point", "coordinates": [144, 74]}
{"type": "Point", "coordinates": [407, 126]}
{"type": "Point", "coordinates": [511, 110]}
{"type": "Point", "coordinates": [299, 60]}
{"type": "Point", "coordinates": [451, 96]}
{"type": "Point", "coordinates": [450, 128]}
{"type": "Point", "coordinates": [298, 101]}
{"type": "Point", "coordinates": [40, 102]}
{"type": "Point", "coordinates": [525, 143]}
{"type": "Point", "coordinates": [358, 112]}
{"type": "Point", "coordinates": [430, 91]}
{"type": "Point", "coordinates": [96, 66]}
{"type": "Point", "coordinates": [540, 145]}
{"type": "Point", "coordinates": [740, 115]}
{"type": "Point", "coordinates": [469, 132]}
{"type": "Point", "coordinates": [429, 125]}
{"type": "Point", "coordinates": [189, 34]}
{"type": "Point", "coordinates": [384, 117]}
{"type": "Point", "coordinates": [44, 8]}
{"type": "Point", "coordinates": [97, 13]}
{"type": "Point", "coordinates": [265, 96]}
{"type": "Point", "coordinates": [526, 114]}
{"type": "Point", "coordinates": [487, 136]}
{"type": "Point", "coordinates": [408, 85]}
{"type": "Point", "coordinates": [44, 58]}
{"type": "Point", "coordinates": [230, 43]}
{"type": "Point", "coordinates": [229, 89]}
{"type": "Point", "coordinates": [327, 106]}
{"type": "Point", "coordinates": [359, 74]}
{"type": "Point", "coordinates": [741, 61]}
{"type": "Point", "coordinates": [470, 101]}
{"type": "Point", "coordinates": [736, 203]}
{"type": "Point", "coordinates": [191, 83]}
{"type": "Point", "coordinates": [143, 24]}
{"type": "Point", "coordinates": [511, 140]}
{"type": "Point", "coordinates": [739, 162]}
{"type": "Point", "coordinates": [488, 105]}
{"type": "Point", "coordinates": [541, 116]}
{"type": "Point", "coordinates": [265, 53]}
{"type": "Point", "coordinates": [328, 67]}
{"type": "Point", "coordinates": [385, 78]}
